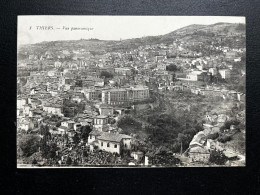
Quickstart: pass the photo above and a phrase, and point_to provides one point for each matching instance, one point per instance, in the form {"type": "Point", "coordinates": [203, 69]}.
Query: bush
{"type": "Point", "coordinates": [29, 144]}
{"type": "Point", "coordinates": [106, 74]}
{"type": "Point", "coordinates": [217, 157]}
{"type": "Point", "coordinates": [69, 161]}
{"type": "Point", "coordinates": [171, 67]}
{"type": "Point", "coordinates": [213, 136]}
{"type": "Point", "coordinates": [231, 122]}
{"type": "Point", "coordinates": [34, 162]}
{"type": "Point", "coordinates": [58, 124]}
{"type": "Point", "coordinates": [224, 139]}
{"type": "Point", "coordinates": [49, 151]}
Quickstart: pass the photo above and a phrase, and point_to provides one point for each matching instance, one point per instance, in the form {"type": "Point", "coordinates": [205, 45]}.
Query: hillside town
{"type": "Point", "coordinates": [177, 100]}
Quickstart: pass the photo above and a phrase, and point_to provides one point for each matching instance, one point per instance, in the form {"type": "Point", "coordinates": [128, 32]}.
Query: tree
{"type": "Point", "coordinates": [213, 136]}
{"type": "Point", "coordinates": [85, 153]}
{"type": "Point", "coordinates": [172, 67]}
{"type": "Point", "coordinates": [217, 157]}
{"type": "Point", "coordinates": [52, 150]}
{"type": "Point", "coordinates": [69, 161]}
{"type": "Point", "coordinates": [76, 139]}
{"type": "Point", "coordinates": [227, 124]}
{"type": "Point", "coordinates": [84, 132]}
{"type": "Point", "coordinates": [44, 130]}
{"type": "Point", "coordinates": [106, 74]}
{"type": "Point", "coordinates": [34, 162]}
{"type": "Point", "coordinates": [224, 138]}
{"type": "Point", "coordinates": [75, 163]}
{"type": "Point", "coordinates": [29, 144]}
{"type": "Point", "coordinates": [48, 150]}
{"type": "Point", "coordinates": [58, 124]}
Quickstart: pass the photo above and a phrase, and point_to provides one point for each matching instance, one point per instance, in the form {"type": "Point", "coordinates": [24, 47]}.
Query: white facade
{"type": "Point", "coordinates": [109, 146]}
{"type": "Point", "coordinates": [225, 73]}
{"type": "Point", "coordinates": [21, 103]}
{"type": "Point", "coordinates": [53, 110]}
{"type": "Point", "coordinates": [213, 71]}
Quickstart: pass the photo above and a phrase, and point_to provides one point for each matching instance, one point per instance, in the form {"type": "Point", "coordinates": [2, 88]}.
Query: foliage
{"type": "Point", "coordinates": [34, 162]}
{"type": "Point", "coordinates": [71, 109]}
{"type": "Point", "coordinates": [128, 121]}
{"type": "Point", "coordinates": [48, 150]}
{"type": "Point", "coordinates": [217, 157]}
{"type": "Point", "coordinates": [171, 67]}
{"type": "Point", "coordinates": [165, 159]}
{"type": "Point", "coordinates": [29, 144]}
{"type": "Point", "coordinates": [227, 124]}
{"type": "Point", "coordinates": [84, 132]}
{"type": "Point", "coordinates": [76, 139]}
{"type": "Point", "coordinates": [75, 163]}
{"type": "Point", "coordinates": [224, 138]}
{"type": "Point", "coordinates": [78, 83]}
{"type": "Point", "coordinates": [44, 130]}
{"type": "Point", "coordinates": [106, 74]}
{"type": "Point", "coordinates": [58, 124]}
{"type": "Point", "coordinates": [213, 136]}
{"type": "Point", "coordinates": [85, 153]}
{"type": "Point", "coordinates": [55, 118]}
{"type": "Point", "coordinates": [69, 161]}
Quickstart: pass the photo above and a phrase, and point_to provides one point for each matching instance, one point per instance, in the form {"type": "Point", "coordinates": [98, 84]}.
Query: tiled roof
{"type": "Point", "coordinates": [94, 132]}
{"type": "Point", "coordinates": [113, 137]}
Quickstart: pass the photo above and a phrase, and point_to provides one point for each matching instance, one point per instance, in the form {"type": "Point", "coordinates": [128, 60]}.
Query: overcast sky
{"type": "Point", "coordinates": [107, 27]}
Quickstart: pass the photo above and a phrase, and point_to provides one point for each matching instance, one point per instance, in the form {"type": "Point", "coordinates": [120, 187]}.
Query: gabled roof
{"type": "Point", "coordinates": [113, 137]}
{"type": "Point", "coordinates": [96, 133]}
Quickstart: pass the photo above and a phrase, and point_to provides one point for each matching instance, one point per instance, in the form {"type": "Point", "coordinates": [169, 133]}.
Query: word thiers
{"type": "Point", "coordinates": [44, 28]}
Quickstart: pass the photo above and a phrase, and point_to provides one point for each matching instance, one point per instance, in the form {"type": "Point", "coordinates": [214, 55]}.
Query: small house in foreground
{"type": "Point", "coordinates": [110, 142]}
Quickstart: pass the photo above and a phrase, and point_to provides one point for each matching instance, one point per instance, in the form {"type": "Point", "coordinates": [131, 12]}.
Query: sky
{"type": "Point", "coordinates": [35, 29]}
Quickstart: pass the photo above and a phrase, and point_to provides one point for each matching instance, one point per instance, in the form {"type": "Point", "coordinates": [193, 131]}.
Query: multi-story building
{"type": "Point", "coordinates": [123, 71]}
{"type": "Point", "coordinates": [160, 58]}
{"type": "Point", "coordinates": [100, 123]}
{"type": "Point", "coordinates": [91, 94]}
{"type": "Point", "coordinates": [115, 96]}
{"type": "Point", "coordinates": [53, 109]}
{"type": "Point", "coordinates": [106, 110]}
{"type": "Point", "coordinates": [194, 76]}
{"type": "Point", "coordinates": [124, 95]}
{"type": "Point", "coordinates": [161, 66]}
{"type": "Point", "coordinates": [138, 93]}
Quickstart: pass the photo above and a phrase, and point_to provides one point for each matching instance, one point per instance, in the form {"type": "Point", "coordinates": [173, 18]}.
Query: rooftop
{"type": "Point", "coordinates": [113, 137]}
{"type": "Point", "coordinates": [101, 116]}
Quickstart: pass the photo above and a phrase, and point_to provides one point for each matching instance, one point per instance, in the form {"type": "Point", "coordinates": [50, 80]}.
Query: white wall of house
{"type": "Point", "coordinates": [53, 110]}
{"type": "Point", "coordinates": [91, 138]}
{"type": "Point", "coordinates": [127, 144]}
{"type": "Point", "coordinates": [112, 147]}
{"type": "Point", "coordinates": [225, 74]}
{"type": "Point", "coordinates": [21, 103]}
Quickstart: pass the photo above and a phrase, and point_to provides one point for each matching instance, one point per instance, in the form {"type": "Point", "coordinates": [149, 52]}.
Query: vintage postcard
{"type": "Point", "coordinates": [131, 91]}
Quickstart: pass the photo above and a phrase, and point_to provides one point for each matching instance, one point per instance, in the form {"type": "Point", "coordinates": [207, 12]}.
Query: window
{"type": "Point", "coordinates": [108, 145]}
{"type": "Point", "coordinates": [125, 145]}
{"type": "Point", "coordinates": [115, 146]}
{"type": "Point", "coordinates": [90, 136]}
{"type": "Point", "coordinates": [101, 143]}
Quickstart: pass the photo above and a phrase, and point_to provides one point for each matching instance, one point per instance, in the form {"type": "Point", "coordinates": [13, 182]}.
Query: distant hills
{"type": "Point", "coordinates": [191, 33]}
{"type": "Point", "coordinates": [195, 30]}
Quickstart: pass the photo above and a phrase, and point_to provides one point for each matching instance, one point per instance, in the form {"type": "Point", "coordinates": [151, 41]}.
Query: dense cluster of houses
{"type": "Point", "coordinates": [106, 83]}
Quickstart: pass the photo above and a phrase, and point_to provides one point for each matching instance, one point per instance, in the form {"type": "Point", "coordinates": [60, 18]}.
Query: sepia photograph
{"type": "Point", "coordinates": [131, 91]}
